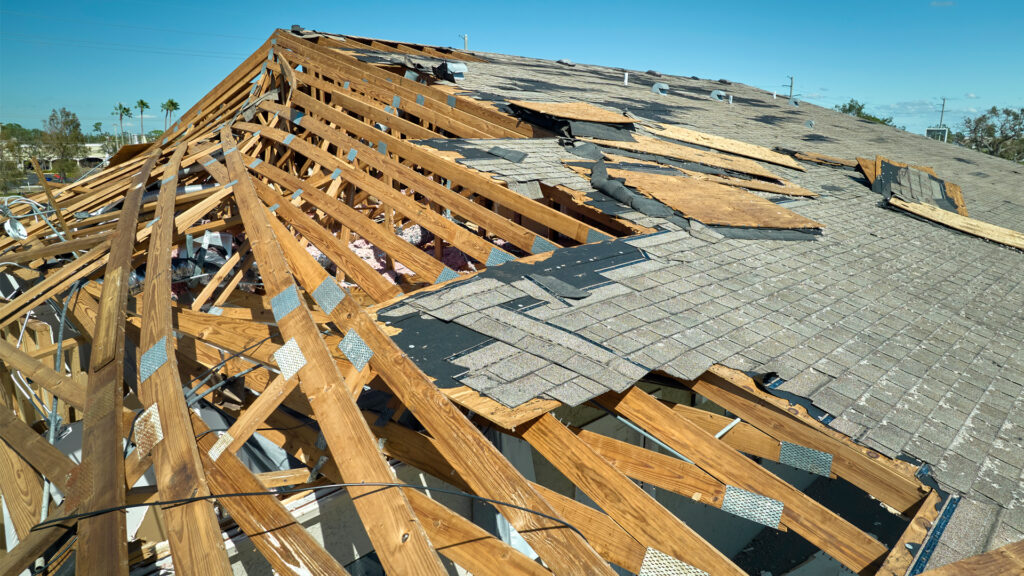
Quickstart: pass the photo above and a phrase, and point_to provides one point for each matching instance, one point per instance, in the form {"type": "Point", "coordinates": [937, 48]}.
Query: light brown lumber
{"type": "Point", "coordinates": [334, 248]}
{"type": "Point", "coordinates": [290, 477]}
{"type": "Point", "coordinates": [285, 543]}
{"type": "Point", "coordinates": [743, 437]}
{"type": "Point", "coordinates": [712, 203]}
{"type": "Point", "coordinates": [649, 145]}
{"type": "Point", "coordinates": [731, 390]}
{"type": "Point", "coordinates": [998, 234]}
{"type": "Point", "coordinates": [574, 111]}
{"type": "Point", "coordinates": [466, 110]}
{"type": "Point", "coordinates": [192, 528]}
{"type": "Point", "coordinates": [625, 502]}
{"type": "Point", "coordinates": [468, 179]}
{"type": "Point", "coordinates": [900, 557]}
{"type": "Point", "coordinates": [1005, 561]}
{"type": "Point", "coordinates": [384, 98]}
{"type": "Point", "coordinates": [54, 249]}
{"type": "Point", "coordinates": [867, 166]}
{"type": "Point", "coordinates": [398, 538]}
{"type": "Point", "coordinates": [819, 526]}
{"type": "Point", "coordinates": [458, 204]}
{"type": "Point", "coordinates": [474, 246]}
{"type": "Point", "coordinates": [651, 467]}
{"type": "Point", "coordinates": [478, 462]}
{"type": "Point", "coordinates": [52, 201]}
{"type": "Point", "coordinates": [723, 144]}
{"type": "Point", "coordinates": [466, 544]}
{"type": "Point", "coordinates": [63, 387]}
{"type": "Point", "coordinates": [825, 159]}
{"type": "Point", "coordinates": [101, 543]}
{"type": "Point", "coordinates": [385, 239]}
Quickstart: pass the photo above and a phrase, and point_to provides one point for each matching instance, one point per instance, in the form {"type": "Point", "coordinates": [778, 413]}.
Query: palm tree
{"type": "Point", "coordinates": [142, 105]}
{"type": "Point", "coordinates": [122, 112]}
{"type": "Point", "coordinates": [169, 108]}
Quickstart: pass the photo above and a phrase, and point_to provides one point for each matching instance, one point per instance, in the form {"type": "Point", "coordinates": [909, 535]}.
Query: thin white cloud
{"type": "Point", "coordinates": [971, 96]}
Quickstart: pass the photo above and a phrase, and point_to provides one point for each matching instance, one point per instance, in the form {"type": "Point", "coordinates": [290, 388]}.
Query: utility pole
{"type": "Point", "coordinates": [465, 41]}
{"type": "Point", "coordinates": [943, 113]}
{"type": "Point", "coordinates": [790, 87]}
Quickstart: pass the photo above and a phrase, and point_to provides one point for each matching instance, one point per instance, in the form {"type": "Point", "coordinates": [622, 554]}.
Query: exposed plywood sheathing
{"type": "Point", "coordinates": [713, 203]}
{"type": "Point", "coordinates": [649, 145]}
{"type": "Point", "coordinates": [574, 111]}
{"type": "Point", "coordinates": [721, 144]}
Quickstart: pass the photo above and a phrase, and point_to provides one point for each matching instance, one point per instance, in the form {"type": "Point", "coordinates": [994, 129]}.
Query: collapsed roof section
{"type": "Point", "coordinates": [243, 261]}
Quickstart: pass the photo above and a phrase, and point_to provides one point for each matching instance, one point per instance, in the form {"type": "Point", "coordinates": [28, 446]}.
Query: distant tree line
{"type": "Point", "coordinates": [855, 108]}
{"type": "Point", "coordinates": [62, 138]}
{"type": "Point", "coordinates": [998, 131]}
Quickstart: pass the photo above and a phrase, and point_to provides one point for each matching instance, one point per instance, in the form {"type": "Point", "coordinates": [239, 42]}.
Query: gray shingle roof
{"type": "Point", "coordinates": [909, 333]}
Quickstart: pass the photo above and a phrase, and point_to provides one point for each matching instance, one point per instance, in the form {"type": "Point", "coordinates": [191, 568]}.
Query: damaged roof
{"type": "Point", "coordinates": [370, 252]}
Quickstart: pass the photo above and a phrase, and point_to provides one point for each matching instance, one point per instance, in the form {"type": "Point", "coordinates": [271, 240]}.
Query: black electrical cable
{"type": "Point", "coordinates": [178, 501]}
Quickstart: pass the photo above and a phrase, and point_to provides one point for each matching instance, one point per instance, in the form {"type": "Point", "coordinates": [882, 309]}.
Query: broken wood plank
{"type": "Point", "coordinates": [998, 234]}
{"type": "Point", "coordinates": [712, 203]}
{"type": "Point", "coordinates": [574, 111]}
{"type": "Point", "coordinates": [649, 145]}
{"type": "Point", "coordinates": [723, 144]}
{"type": "Point", "coordinates": [824, 159]}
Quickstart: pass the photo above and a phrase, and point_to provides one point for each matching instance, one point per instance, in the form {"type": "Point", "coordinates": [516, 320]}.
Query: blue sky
{"type": "Point", "coordinates": [899, 57]}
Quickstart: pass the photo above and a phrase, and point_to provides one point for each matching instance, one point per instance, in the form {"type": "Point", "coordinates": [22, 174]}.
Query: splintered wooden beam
{"type": "Point", "coordinates": [972, 226]}
{"type": "Point", "coordinates": [625, 502]}
{"type": "Point", "coordinates": [389, 521]}
{"type": "Point", "coordinates": [102, 548]}
{"type": "Point", "coordinates": [192, 528]}
{"type": "Point", "coordinates": [819, 526]}
{"type": "Point", "coordinates": [736, 392]}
